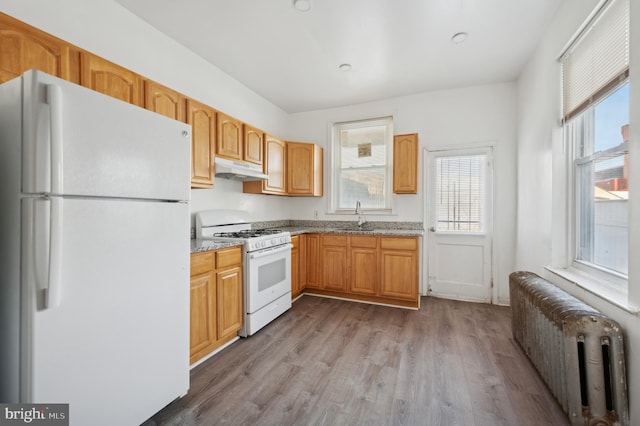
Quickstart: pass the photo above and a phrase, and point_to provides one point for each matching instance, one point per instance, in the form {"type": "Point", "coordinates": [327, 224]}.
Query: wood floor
{"type": "Point", "coordinates": [335, 362]}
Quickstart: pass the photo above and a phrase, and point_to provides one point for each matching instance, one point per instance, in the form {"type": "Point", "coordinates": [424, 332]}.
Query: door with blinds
{"type": "Point", "coordinates": [459, 201]}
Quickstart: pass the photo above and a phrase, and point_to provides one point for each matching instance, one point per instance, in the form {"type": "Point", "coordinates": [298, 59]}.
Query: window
{"type": "Point", "coordinates": [596, 114]}
{"type": "Point", "coordinates": [362, 153]}
{"type": "Point", "coordinates": [460, 193]}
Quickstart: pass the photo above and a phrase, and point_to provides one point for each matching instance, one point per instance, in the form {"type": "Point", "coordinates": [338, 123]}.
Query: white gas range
{"type": "Point", "coordinates": [266, 264]}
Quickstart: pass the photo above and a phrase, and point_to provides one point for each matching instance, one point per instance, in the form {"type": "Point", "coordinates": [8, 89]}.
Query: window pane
{"type": "Point", "coordinates": [364, 185]}
{"type": "Point", "coordinates": [611, 116]}
{"type": "Point", "coordinates": [460, 193]}
{"type": "Point", "coordinates": [602, 174]}
{"type": "Point", "coordinates": [363, 147]}
{"type": "Point", "coordinates": [362, 152]}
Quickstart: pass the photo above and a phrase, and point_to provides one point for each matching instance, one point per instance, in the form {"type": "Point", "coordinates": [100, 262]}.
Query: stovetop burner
{"type": "Point", "coordinates": [248, 233]}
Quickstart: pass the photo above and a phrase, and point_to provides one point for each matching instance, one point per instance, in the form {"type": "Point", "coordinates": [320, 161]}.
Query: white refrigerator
{"type": "Point", "coordinates": [94, 252]}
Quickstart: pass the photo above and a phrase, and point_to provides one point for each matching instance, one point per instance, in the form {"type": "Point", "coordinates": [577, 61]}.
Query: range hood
{"type": "Point", "coordinates": [238, 170]}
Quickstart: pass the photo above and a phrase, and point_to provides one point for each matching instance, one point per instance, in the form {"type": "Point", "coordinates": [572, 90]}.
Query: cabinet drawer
{"type": "Point", "coordinates": [408, 243]}
{"type": "Point", "coordinates": [228, 257]}
{"type": "Point", "coordinates": [364, 241]}
{"type": "Point", "coordinates": [201, 263]}
{"type": "Point", "coordinates": [334, 240]}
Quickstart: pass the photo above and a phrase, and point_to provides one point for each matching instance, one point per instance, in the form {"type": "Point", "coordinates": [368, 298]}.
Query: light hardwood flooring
{"type": "Point", "coordinates": [336, 362]}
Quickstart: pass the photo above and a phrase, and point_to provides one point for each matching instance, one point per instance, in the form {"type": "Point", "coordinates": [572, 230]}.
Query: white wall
{"type": "Point", "coordinates": [107, 29]}
{"type": "Point", "coordinates": [542, 200]}
{"type": "Point", "coordinates": [473, 116]}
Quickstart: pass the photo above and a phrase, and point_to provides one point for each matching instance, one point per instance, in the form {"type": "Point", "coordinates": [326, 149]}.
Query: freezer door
{"type": "Point", "coordinates": [80, 142]}
{"type": "Point", "coordinates": [115, 344]}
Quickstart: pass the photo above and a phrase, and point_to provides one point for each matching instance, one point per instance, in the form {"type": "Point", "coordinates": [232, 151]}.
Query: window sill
{"type": "Point", "coordinates": [601, 288]}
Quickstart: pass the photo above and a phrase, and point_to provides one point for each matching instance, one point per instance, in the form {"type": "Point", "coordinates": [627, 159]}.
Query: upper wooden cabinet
{"type": "Point", "coordinates": [253, 145]}
{"type": "Point", "coordinates": [405, 164]}
{"type": "Point", "coordinates": [229, 143]}
{"type": "Point", "coordinates": [164, 101]}
{"type": "Point", "coordinates": [23, 47]}
{"type": "Point", "coordinates": [203, 129]}
{"type": "Point", "coordinates": [274, 166]}
{"type": "Point", "coordinates": [106, 77]}
{"type": "Point", "coordinates": [239, 141]}
{"type": "Point", "coordinates": [304, 169]}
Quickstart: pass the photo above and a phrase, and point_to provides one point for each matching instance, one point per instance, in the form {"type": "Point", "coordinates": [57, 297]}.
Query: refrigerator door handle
{"type": "Point", "coordinates": [47, 248]}
{"type": "Point", "coordinates": [54, 98]}
{"type": "Point", "coordinates": [55, 254]}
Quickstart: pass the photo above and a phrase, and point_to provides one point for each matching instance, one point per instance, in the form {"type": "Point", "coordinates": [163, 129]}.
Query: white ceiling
{"type": "Point", "coordinates": [395, 47]}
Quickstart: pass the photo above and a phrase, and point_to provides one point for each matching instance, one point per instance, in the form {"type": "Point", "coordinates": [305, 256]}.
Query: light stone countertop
{"type": "Point", "coordinates": [354, 231]}
{"type": "Point", "coordinates": [199, 245]}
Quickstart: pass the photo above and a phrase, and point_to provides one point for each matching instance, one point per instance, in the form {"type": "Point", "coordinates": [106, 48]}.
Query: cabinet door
{"type": "Point", "coordinates": [364, 271]}
{"type": "Point", "coordinates": [295, 267]}
{"type": "Point", "coordinates": [203, 333]}
{"type": "Point", "coordinates": [275, 150]}
{"type": "Point", "coordinates": [23, 47]}
{"type": "Point", "coordinates": [229, 298]}
{"type": "Point", "coordinates": [399, 274]}
{"type": "Point", "coordinates": [203, 122]}
{"type": "Point", "coordinates": [304, 169]}
{"type": "Point", "coordinates": [334, 262]}
{"type": "Point", "coordinates": [313, 261]}
{"type": "Point", "coordinates": [302, 269]}
{"type": "Point", "coordinates": [405, 164]}
{"type": "Point", "coordinates": [253, 145]}
{"type": "Point", "coordinates": [274, 166]}
{"type": "Point", "coordinates": [163, 100]}
{"type": "Point", "coordinates": [111, 79]}
{"type": "Point", "coordinates": [229, 142]}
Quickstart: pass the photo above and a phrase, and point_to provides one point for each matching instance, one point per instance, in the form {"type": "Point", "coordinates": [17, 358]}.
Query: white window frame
{"type": "Point", "coordinates": [334, 197]}
{"type": "Point", "coordinates": [592, 270]}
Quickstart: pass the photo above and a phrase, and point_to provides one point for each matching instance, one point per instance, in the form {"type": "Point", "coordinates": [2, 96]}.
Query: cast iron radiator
{"type": "Point", "coordinates": [577, 350]}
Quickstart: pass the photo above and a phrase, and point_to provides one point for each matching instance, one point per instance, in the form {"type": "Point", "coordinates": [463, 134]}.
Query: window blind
{"type": "Point", "coordinates": [460, 193]}
{"type": "Point", "coordinates": [598, 59]}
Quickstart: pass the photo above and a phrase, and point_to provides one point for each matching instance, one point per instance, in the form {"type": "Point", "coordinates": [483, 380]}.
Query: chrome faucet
{"type": "Point", "coordinates": [361, 219]}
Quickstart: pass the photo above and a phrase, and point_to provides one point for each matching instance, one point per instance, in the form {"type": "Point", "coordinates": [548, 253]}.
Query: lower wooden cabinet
{"type": "Point", "coordinates": [364, 267]}
{"type": "Point", "coordinates": [399, 268]}
{"type": "Point", "coordinates": [298, 265]}
{"type": "Point", "coordinates": [334, 260]}
{"type": "Point", "coordinates": [216, 300]}
{"type": "Point", "coordinates": [313, 261]}
{"type": "Point", "coordinates": [363, 277]}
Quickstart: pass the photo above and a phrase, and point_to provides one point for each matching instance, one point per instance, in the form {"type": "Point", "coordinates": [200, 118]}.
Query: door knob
{"type": "Point", "coordinates": [432, 229]}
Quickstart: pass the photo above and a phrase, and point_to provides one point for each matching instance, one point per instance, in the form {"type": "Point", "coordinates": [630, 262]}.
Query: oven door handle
{"type": "Point", "coordinates": [270, 251]}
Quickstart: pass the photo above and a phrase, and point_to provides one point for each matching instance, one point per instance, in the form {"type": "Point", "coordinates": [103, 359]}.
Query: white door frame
{"type": "Point", "coordinates": [426, 199]}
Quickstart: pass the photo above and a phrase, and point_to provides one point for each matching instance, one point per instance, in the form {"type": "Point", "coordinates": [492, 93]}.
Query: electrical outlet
{"type": "Point", "coordinates": [315, 214]}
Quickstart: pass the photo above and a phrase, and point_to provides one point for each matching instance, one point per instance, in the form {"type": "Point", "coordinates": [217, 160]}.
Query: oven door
{"type": "Point", "coordinates": [268, 276]}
